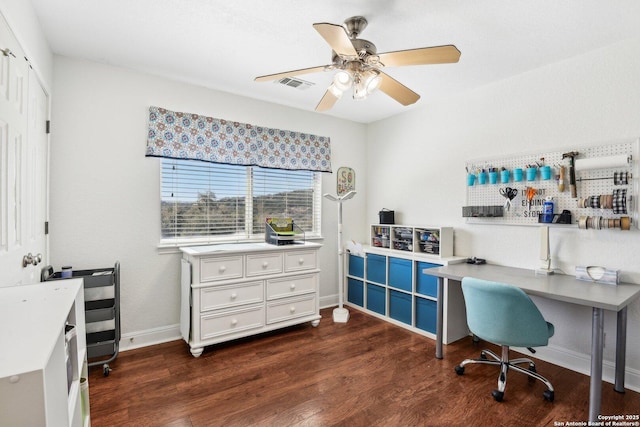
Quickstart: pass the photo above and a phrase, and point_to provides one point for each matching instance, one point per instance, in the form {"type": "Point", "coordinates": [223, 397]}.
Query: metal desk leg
{"type": "Point", "coordinates": [597, 341]}
{"type": "Point", "coordinates": [621, 349]}
{"type": "Point", "coordinates": [439, 317]}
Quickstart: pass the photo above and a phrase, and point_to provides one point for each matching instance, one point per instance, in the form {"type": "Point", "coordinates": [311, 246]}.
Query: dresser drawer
{"type": "Point", "coordinates": [261, 264]}
{"type": "Point", "coordinates": [217, 297]}
{"type": "Point", "coordinates": [231, 321]}
{"type": "Point", "coordinates": [290, 286]}
{"type": "Point", "coordinates": [290, 308]}
{"type": "Point", "coordinates": [300, 260]}
{"type": "Point", "coordinates": [221, 268]}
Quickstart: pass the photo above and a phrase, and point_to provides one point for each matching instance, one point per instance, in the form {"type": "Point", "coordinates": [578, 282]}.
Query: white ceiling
{"type": "Point", "coordinates": [224, 45]}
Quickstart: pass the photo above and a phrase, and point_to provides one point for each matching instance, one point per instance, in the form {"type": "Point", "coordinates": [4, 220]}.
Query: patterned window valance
{"type": "Point", "coordinates": [191, 136]}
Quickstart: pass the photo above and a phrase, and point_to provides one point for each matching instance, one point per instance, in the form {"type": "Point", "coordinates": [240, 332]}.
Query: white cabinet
{"type": "Point", "coordinates": [43, 357]}
{"type": "Point", "coordinates": [236, 290]}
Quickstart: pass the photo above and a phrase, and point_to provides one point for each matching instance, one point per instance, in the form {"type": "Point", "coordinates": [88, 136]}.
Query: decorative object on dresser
{"type": "Point", "coordinates": [230, 291]}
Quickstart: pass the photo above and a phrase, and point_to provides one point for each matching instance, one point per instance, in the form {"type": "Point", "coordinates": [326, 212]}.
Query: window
{"type": "Point", "coordinates": [208, 202]}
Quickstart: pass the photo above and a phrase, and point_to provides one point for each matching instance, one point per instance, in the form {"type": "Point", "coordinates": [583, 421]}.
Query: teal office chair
{"type": "Point", "coordinates": [504, 315]}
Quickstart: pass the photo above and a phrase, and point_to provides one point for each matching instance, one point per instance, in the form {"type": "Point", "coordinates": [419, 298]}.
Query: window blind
{"type": "Point", "coordinates": [204, 202]}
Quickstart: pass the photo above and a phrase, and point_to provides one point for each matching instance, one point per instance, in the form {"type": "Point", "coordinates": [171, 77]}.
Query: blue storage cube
{"type": "Point", "coordinates": [426, 310]}
{"type": "Point", "coordinates": [376, 268]}
{"type": "Point", "coordinates": [400, 306]}
{"type": "Point", "coordinates": [356, 266]}
{"type": "Point", "coordinates": [355, 292]}
{"type": "Point", "coordinates": [400, 273]}
{"type": "Point", "coordinates": [376, 300]}
{"type": "Point", "coordinates": [425, 284]}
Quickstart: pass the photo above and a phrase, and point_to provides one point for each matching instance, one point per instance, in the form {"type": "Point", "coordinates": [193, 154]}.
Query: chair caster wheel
{"type": "Point", "coordinates": [106, 370]}
{"type": "Point", "coordinates": [548, 395]}
{"type": "Point", "coordinates": [459, 370]}
{"type": "Point", "coordinates": [498, 395]}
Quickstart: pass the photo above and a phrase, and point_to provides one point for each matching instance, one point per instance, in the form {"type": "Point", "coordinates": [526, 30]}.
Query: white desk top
{"type": "Point", "coordinates": [559, 287]}
{"type": "Point", "coordinates": [32, 317]}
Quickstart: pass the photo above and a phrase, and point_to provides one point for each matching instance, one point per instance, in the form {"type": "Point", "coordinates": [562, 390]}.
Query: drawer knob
{"type": "Point", "coordinates": [234, 295]}
{"type": "Point", "coordinates": [292, 309]}
{"type": "Point", "coordinates": [301, 261]}
{"type": "Point", "coordinates": [222, 269]}
{"type": "Point", "coordinates": [293, 286]}
{"type": "Point", "coordinates": [265, 264]}
{"type": "Point", "coordinates": [234, 322]}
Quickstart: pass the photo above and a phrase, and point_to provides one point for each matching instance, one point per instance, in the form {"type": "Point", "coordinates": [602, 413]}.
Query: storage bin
{"type": "Point", "coordinates": [101, 343]}
{"type": "Point", "coordinates": [400, 306]}
{"type": "Point", "coordinates": [425, 284]}
{"type": "Point", "coordinates": [387, 216]}
{"type": "Point", "coordinates": [400, 273]}
{"type": "Point", "coordinates": [376, 300]}
{"type": "Point", "coordinates": [426, 314]}
{"type": "Point", "coordinates": [355, 292]}
{"type": "Point", "coordinates": [376, 269]}
{"type": "Point", "coordinates": [356, 266]}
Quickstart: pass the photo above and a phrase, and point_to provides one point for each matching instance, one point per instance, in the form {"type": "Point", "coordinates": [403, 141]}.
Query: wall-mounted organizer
{"type": "Point", "coordinates": [606, 190]}
{"type": "Point", "coordinates": [436, 241]}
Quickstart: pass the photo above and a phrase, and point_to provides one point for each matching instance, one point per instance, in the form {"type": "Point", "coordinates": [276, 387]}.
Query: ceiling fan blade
{"type": "Point", "coordinates": [426, 55]}
{"type": "Point", "coordinates": [289, 74]}
{"type": "Point", "coordinates": [337, 38]}
{"type": "Point", "coordinates": [326, 102]}
{"type": "Point", "coordinates": [397, 90]}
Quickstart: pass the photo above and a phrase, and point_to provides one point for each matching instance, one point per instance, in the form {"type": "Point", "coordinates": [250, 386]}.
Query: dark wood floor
{"type": "Point", "coordinates": [363, 373]}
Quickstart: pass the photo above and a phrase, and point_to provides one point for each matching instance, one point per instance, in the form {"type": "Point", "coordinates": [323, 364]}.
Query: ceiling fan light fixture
{"type": "Point", "coordinates": [335, 91]}
{"type": "Point", "coordinates": [359, 88]}
{"type": "Point", "coordinates": [372, 80]}
{"type": "Point", "coordinates": [343, 80]}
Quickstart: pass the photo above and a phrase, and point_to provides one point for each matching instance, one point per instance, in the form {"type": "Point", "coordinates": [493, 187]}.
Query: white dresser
{"type": "Point", "coordinates": [230, 291]}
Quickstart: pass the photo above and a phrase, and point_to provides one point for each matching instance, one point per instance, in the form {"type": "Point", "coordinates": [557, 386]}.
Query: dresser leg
{"type": "Point", "coordinates": [196, 351]}
{"type": "Point", "coordinates": [315, 323]}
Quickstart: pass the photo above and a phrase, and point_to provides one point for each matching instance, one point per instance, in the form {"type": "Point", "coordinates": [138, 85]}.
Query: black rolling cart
{"type": "Point", "coordinates": [103, 344]}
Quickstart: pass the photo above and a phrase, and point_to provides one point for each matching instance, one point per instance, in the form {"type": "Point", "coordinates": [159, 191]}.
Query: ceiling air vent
{"type": "Point", "coordinates": [295, 83]}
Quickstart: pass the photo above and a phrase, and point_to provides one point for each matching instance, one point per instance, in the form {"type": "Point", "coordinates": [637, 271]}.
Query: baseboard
{"type": "Point", "coordinates": [581, 363]}
{"type": "Point", "coordinates": [149, 337]}
{"type": "Point", "coordinates": [329, 301]}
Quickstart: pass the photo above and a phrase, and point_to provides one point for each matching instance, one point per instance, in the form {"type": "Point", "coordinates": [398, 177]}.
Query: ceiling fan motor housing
{"type": "Point", "coordinates": [364, 48]}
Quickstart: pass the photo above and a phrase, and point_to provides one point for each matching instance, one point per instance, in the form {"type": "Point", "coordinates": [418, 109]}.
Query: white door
{"type": "Point", "coordinates": [23, 164]}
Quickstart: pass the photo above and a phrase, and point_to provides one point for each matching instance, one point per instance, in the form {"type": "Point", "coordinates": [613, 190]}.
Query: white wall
{"type": "Point", "coordinates": [590, 99]}
{"type": "Point", "coordinates": [105, 195]}
{"type": "Point", "coordinates": [25, 26]}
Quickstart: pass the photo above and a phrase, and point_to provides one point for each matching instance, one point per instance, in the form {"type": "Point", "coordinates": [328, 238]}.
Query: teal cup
{"type": "Point", "coordinates": [471, 179]}
{"type": "Point", "coordinates": [482, 178]}
{"type": "Point", "coordinates": [531, 174]}
{"type": "Point", "coordinates": [504, 176]}
{"type": "Point", "coordinates": [517, 175]}
{"type": "Point", "coordinates": [545, 172]}
{"type": "Point", "coordinates": [493, 177]}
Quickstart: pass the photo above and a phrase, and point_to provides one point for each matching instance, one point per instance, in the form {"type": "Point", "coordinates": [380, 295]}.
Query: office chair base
{"type": "Point", "coordinates": [506, 365]}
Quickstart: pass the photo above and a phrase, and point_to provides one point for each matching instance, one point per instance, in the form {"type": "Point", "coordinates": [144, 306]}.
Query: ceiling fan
{"type": "Point", "coordinates": [359, 65]}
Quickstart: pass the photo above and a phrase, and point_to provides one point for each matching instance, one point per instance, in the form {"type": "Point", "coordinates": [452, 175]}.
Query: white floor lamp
{"type": "Point", "coordinates": [340, 314]}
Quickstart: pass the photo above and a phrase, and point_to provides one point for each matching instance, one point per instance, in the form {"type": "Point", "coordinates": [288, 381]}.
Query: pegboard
{"type": "Point", "coordinates": [589, 182]}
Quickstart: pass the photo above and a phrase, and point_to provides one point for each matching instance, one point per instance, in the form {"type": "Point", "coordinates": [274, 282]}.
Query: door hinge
{"type": "Point", "coordinates": [46, 227]}
{"type": "Point", "coordinates": [48, 127]}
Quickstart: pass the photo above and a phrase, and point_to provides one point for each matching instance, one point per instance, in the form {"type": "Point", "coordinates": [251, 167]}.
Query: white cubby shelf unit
{"type": "Point", "coordinates": [387, 281]}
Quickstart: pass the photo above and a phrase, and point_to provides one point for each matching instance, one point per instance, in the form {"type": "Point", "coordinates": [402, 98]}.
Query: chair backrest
{"type": "Point", "coordinates": [503, 314]}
